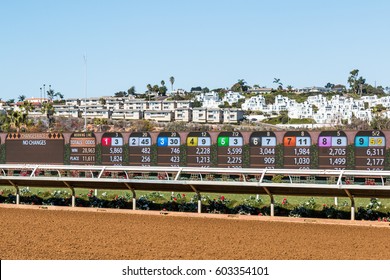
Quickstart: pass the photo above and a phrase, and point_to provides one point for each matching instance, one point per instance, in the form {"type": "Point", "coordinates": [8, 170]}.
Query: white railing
{"type": "Point", "coordinates": [320, 182]}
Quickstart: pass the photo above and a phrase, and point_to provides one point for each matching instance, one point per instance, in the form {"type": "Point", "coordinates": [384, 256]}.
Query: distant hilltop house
{"type": "Point", "coordinates": [260, 90]}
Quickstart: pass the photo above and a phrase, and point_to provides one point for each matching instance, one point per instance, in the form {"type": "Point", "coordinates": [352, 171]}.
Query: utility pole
{"type": "Point", "coordinates": [85, 89]}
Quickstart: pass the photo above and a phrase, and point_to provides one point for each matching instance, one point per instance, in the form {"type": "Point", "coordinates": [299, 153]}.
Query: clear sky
{"type": "Point", "coordinates": [201, 43]}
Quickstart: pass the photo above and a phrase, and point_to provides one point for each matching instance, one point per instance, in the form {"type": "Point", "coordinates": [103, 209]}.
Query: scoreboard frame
{"type": "Point", "coordinates": [359, 150]}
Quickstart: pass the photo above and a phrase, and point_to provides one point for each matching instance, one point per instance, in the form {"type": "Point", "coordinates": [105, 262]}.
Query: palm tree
{"type": "Point", "coordinates": [172, 80]}
{"type": "Point", "coordinates": [149, 87]}
{"type": "Point", "coordinates": [48, 109]}
{"type": "Point", "coordinates": [14, 119]}
{"type": "Point", "coordinates": [60, 95]}
{"type": "Point", "coordinates": [277, 81]}
{"type": "Point", "coordinates": [51, 94]}
{"type": "Point", "coordinates": [21, 97]}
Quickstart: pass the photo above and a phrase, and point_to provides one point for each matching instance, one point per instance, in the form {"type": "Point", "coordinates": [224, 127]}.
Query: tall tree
{"type": "Point", "coordinates": [21, 97]}
{"type": "Point", "coordinates": [172, 80]}
{"type": "Point", "coordinates": [355, 82]}
{"type": "Point", "coordinates": [131, 91]}
{"type": "Point", "coordinates": [240, 86]}
{"type": "Point", "coordinates": [329, 86]}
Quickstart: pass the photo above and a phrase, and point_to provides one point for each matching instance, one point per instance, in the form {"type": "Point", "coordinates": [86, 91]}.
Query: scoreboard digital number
{"type": "Point", "coordinates": [168, 149]}
{"type": "Point", "coordinates": [262, 150]}
{"type": "Point", "coordinates": [296, 147]}
{"type": "Point", "coordinates": [332, 150]}
{"type": "Point", "coordinates": [370, 150]}
{"type": "Point", "coordinates": [230, 149]}
{"type": "Point", "coordinates": [46, 148]}
{"type": "Point", "coordinates": [140, 149]}
{"type": "Point", "coordinates": [82, 148]}
{"type": "Point", "coordinates": [112, 148]}
{"type": "Point", "coordinates": [199, 149]}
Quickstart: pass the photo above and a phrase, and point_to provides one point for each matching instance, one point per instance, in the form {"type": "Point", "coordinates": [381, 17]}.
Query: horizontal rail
{"type": "Point", "coordinates": [321, 182]}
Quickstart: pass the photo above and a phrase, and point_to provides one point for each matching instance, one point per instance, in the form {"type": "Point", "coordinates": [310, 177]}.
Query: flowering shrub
{"type": "Point", "coordinates": [218, 205]}
{"type": "Point", "coordinates": [305, 209]}
{"type": "Point", "coordinates": [181, 202]}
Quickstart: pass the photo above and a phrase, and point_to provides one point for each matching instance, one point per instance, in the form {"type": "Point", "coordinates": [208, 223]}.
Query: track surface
{"type": "Point", "coordinates": [94, 235]}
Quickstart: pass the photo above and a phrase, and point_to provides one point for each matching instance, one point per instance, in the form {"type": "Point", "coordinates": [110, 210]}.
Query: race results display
{"type": "Point", "coordinates": [296, 148]}
{"type": "Point", "coordinates": [262, 149]}
{"type": "Point", "coordinates": [140, 150]}
{"type": "Point", "coordinates": [168, 149]}
{"type": "Point", "coordinates": [82, 148]}
{"type": "Point", "coordinates": [44, 148]}
{"type": "Point", "coordinates": [370, 150]}
{"type": "Point", "coordinates": [112, 148]}
{"type": "Point", "coordinates": [332, 150]}
{"type": "Point", "coordinates": [230, 149]}
{"type": "Point", "coordinates": [328, 149]}
{"type": "Point", "coordinates": [199, 149]}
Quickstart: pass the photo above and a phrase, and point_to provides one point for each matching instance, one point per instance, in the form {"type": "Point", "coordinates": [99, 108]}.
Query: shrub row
{"type": "Point", "coordinates": [181, 203]}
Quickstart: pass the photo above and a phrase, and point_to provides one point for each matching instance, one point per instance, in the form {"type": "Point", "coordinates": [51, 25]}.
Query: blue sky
{"type": "Point", "coordinates": [200, 43]}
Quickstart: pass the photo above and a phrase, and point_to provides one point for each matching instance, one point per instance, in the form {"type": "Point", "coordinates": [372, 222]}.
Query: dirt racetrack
{"type": "Point", "coordinates": [32, 233]}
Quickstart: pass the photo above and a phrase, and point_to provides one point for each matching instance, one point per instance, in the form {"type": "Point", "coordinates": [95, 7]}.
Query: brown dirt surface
{"type": "Point", "coordinates": [32, 233]}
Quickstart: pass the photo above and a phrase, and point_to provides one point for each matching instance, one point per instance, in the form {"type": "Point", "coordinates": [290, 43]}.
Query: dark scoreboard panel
{"type": "Point", "coordinates": [332, 150]}
{"type": "Point", "coordinates": [296, 148]}
{"type": "Point", "coordinates": [370, 150]}
{"type": "Point", "coordinates": [168, 149]}
{"type": "Point", "coordinates": [230, 147]}
{"type": "Point", "coordinates": [199, 149]}
{"type": "Point", "coordinates": [112, 148]}
{"type": "Point", "coordinates": [364, 150]}
{"type": "Point", "coordinates": [140, 151]}
{"type": "Point", "coordinates": [82, 148]}
{"type": "Point", "coordinates": [45, 148]}
{"type": "Point", "coordinates": [262, 149]}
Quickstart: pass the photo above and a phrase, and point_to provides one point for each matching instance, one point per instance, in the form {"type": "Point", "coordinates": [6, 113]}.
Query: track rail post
{"type": "Point", "coordinates": [352, 204]}
{"type": "Point", "coordinates": [17, 191]}
{"type": "Point", "coordinates": [73, 193]}
{"type": "Point", "coordinates": [73, 197]}
{"type": "Point", "coordinates": [17, 195]}
{"type": "Point", "coordinates": [134, 196]}
{"type": "Point", "coordinates": [272, 203]}
{"type": "Point", "coordinates": [199, 199]}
